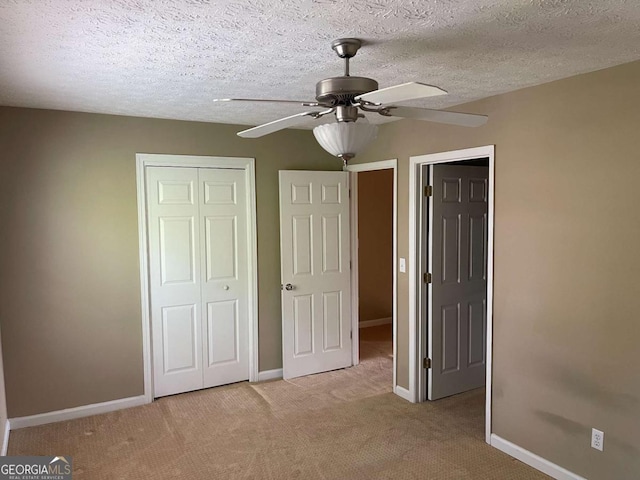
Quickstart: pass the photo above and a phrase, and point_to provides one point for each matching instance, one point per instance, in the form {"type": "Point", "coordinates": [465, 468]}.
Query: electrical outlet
{"type": "Point", "coordinates": [597, 439]}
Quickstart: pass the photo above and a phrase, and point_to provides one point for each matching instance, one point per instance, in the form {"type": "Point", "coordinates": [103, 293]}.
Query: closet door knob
{"type": "Point", "coordinates": [226, 287]}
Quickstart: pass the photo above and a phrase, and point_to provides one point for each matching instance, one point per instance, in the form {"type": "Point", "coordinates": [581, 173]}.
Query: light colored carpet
{"type": "Point", "coordinates": [337, 425]}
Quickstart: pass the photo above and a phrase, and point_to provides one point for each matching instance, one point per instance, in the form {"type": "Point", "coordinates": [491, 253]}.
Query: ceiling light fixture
{"type": "Point", "coordinates": [345, 139]}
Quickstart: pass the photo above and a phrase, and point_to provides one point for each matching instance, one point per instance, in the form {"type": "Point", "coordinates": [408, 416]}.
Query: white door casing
{"type": "Point", "coordinates": [198, 277]}
{"type": "Point", "coordinates": [315, 256]}
{"type": "Point", "coordinates": [458, 291]}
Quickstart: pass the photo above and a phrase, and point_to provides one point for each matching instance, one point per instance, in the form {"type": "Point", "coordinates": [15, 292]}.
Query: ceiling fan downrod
{"type": "Point", "coordinates": [346, 48]}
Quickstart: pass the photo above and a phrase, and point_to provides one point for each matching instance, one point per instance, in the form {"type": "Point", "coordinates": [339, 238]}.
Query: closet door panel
{"type": "Point", "coordinates": [175, 279]}
{"type": "Point", "coordinates": [225, 282]}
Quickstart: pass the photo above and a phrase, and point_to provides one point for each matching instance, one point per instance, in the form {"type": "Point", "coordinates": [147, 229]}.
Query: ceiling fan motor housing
{"type": "Point", "coordinates": [342, 90]}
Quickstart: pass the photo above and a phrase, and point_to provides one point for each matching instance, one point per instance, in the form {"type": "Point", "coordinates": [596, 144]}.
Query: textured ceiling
{"type": "Point", "coordinates": [169, 59]}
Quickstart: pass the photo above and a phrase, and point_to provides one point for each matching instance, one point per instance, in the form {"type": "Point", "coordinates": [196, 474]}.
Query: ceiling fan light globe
{"type": "Point", "coordinates": [345, 138]}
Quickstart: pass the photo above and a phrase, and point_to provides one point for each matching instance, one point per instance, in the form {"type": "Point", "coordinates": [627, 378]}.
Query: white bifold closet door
{"type": "Point", "coordinates": [197, 231]}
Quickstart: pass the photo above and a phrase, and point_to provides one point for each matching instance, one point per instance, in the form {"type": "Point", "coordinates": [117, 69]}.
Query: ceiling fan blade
{"type": "Point", "coordinates": [280, 124]}
{"type": "Point", "coordinates": [401, 93]}
{"type": "Point", "coordinates": [439, 116]}
{"type": "Point", "coordinates": [264, 100]}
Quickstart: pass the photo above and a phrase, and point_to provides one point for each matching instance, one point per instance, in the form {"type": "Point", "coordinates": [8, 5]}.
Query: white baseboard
{"type": "Point", "coordinates": [403, 393]}
{"type": "Point", "coordinates": [77, 412]}
{"type": "Point", "coordinates": [5, 439]}
{"type": "Point", "coordinates": [269, 374]}
{"type": "Point", "coordinates": [533, 460]}
{"type": "Point", "coordinates": [375, 322]}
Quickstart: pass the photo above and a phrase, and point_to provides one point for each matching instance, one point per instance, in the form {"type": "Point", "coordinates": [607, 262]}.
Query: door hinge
{"type": "Point", "coordinates": [349, 193]}
{"type": "Point", "coordinates": [350, 265]}
{"type": "Point", "coordinates": [427, 278]}
{"type": "Point", "coordinates": [426, 363]}
{"type": "Point", "coordinates": [428, 191]}
{"type": "Point", "coordinates": [351, 334]}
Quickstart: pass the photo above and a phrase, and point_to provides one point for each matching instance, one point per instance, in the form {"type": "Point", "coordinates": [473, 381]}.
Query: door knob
{"type": "Point", "coordinates": [226, 287]}
{"type": "Point", "coordinates": [288, 286]}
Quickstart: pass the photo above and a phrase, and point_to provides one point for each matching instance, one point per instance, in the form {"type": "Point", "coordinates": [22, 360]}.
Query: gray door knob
{"type": "Point", "coordinates": [288, 286]}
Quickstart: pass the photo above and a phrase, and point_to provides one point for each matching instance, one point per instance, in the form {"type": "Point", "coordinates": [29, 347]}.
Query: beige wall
{"type": "Point", "coordinates": [3, 402]}
{"type": "Point", "coordinates": [567, 262]}
{"type": "Point", "coordinates": [375, 244]}
{"type": "Point", "coordinates": [69, 276]}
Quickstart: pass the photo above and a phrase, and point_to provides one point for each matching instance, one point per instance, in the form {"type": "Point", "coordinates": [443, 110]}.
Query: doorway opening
{"type": "Point", "coordinates": [374, 278]}
{"type": "Point", "coordinates": [451, 274]}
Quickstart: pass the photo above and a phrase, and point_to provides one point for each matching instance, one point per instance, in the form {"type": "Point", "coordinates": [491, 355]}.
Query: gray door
{"type": "Point", "coordinates": [458, 321]}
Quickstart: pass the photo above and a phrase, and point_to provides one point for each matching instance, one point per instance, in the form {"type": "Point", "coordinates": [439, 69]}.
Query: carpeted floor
{"type": "Point", "coordinates": [337, 425]}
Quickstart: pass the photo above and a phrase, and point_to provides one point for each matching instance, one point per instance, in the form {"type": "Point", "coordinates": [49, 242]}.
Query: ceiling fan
{"type": "Point", "coordinates": [347, 97]}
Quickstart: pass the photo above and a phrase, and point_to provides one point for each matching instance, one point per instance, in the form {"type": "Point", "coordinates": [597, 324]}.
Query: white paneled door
{"type": "Point", "coordinates": [315, 255]}
{"type": "Point", "coordinates": [197, 231]}
{"type": "Point", "coordinates": [458, 326]}
{"type": "Point", "coordinates": [174, 246]}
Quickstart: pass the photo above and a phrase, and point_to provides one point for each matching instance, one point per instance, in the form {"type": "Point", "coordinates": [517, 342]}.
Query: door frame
{"type": "Point", "coordinates": [237, 163]}
{"type": "Point", "coordinates": [417, 288]}
{"type": "Point", "coordinates": [353, 182]}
